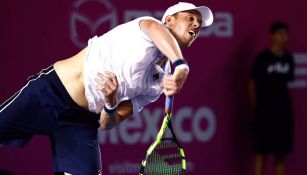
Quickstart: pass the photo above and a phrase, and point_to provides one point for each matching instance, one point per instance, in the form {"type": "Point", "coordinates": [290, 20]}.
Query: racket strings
{"type": "Point", "coordinates": [164, 160]}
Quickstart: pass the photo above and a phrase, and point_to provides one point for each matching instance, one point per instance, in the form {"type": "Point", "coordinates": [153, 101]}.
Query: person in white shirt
{"type": "Point", "coordinates": [111, 79]}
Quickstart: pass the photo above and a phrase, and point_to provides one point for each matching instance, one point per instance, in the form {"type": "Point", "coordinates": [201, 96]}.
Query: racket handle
{"type": "Point", "coordinates": [169, 103]}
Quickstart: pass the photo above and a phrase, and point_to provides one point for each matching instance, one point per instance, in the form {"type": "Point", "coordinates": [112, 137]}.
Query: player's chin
{"type": "Point", "coordinates": [188, 44]}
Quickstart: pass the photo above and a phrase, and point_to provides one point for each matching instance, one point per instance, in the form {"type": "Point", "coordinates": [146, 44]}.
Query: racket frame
{"type": "Point", "coordinates": [167, 123]}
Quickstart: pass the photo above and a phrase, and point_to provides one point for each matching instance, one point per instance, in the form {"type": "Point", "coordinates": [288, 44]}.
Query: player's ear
{"type": "Point", "coordinates": [169, 21]}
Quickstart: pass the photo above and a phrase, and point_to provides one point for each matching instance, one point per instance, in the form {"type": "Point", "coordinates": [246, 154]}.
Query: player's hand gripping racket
{"type": "Point", "coordinates": [165, 156]}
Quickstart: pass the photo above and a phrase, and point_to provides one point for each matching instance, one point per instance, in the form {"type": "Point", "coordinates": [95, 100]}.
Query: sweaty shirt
{"type": "Point", "coordinates": [131, 55]}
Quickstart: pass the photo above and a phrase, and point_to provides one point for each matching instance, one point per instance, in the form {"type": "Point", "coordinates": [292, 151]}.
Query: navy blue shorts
{"type": "Point", "coordinates": [44, 107]}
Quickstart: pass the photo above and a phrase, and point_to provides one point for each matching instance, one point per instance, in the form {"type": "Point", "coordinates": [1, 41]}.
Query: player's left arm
{"type": "Point", "coordinates": [169, 46]}
{"type": "Point", "coordinates": [124, 111]}
{"type": "Point", "coordinates": [108, 85]}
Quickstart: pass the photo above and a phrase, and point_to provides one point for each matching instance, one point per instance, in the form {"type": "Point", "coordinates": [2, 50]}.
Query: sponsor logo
{"type": "Point", "coordinates": [89, 18]}
{"type": "Point", "coordinates": [279, 68]}
{"type": "Point", "coordinates": [190, 126]}
{"type": "Point", "coordinates": [95, 17]}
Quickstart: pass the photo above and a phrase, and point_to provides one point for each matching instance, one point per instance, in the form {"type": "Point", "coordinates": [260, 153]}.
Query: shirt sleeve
{"type": "Point", "coordinates": [140, 101]}
{"type": "Point", "coordinates": [138, 20]}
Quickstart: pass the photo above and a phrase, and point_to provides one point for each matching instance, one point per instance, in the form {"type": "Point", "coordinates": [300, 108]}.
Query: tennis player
{"type": "Point", "coordinates": [114, 77]}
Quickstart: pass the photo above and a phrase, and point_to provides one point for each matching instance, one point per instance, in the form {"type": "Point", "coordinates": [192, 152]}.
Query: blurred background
{"type": "Point", "coordinates": [212, 117]}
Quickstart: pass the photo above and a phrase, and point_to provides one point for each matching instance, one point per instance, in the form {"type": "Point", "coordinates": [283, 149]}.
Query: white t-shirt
{"type": "Point", "coordinates": [131, 55]}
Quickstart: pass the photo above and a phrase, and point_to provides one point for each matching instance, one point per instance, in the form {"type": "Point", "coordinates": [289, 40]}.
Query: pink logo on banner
{"type": "Point", "coordinates": [91, 17]}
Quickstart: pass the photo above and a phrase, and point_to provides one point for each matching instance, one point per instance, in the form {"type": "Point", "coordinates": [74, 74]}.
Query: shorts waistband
{"type": "Point", "coordinates": [57, 83]}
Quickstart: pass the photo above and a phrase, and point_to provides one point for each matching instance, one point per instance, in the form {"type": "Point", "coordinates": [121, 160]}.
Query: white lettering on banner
{"type": "Point", "coordinates": [131, 137]}
{"type": "Point", "coordinates": [222, 26]}
{"type": "Point", "coordinates": [152, 129]}
{"type": "Point", "coordinates": [182, 115]}
{"type": "Point", "coordinates": [204, 114]}
{"type": "Point", "coordinates": [300, 71]}
{"type": "Point", "coordinates": [144, 127]}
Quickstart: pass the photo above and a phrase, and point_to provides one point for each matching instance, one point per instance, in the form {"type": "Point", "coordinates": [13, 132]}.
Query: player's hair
{"type": "Point", "coordinates": [277, 26]}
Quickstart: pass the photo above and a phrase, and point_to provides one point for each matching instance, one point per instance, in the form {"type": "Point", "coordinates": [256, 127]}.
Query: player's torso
{"type": "Point", "coordinates": [131, 55]}
{"type": "Point", "coordinates": [70, 72]}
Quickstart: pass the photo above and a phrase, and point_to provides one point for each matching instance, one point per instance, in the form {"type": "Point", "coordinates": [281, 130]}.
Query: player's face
{"type": "Point", "coordinates": [280, 37]}
{"type": "Point", "coordinates": [185, 26]}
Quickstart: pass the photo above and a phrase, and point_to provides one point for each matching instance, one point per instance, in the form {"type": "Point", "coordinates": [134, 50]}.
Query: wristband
{"type": "Point", "coordinates": [110, 110]}
{"type": "Point", "coordinates": [181, 64]}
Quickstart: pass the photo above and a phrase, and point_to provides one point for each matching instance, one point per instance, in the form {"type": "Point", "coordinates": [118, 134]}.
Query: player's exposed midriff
{"type": "Point", "coordinates": [70, 72]}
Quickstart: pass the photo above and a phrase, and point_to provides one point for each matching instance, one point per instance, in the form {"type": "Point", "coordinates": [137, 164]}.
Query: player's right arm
{"type": "Point", "coordinates": [162, 38]}
{"type": "Point", "coordinates": [169, 46]}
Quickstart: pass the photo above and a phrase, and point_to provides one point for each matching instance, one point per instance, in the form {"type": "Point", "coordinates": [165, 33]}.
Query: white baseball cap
{"type": "Point", "coordinates": [206, 14]}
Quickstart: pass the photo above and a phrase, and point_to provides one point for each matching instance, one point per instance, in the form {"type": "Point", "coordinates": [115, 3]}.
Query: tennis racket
{"type": "Point", "coordinates": [165, 156]}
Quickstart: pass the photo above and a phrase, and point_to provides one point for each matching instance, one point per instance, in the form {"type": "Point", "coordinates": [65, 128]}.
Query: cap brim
{"type": "Point", "coordinates": [206, 15]}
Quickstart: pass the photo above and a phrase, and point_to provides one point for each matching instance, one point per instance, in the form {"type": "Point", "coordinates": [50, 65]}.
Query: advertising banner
{"type": "Point", "coordinates": [211, 118]}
